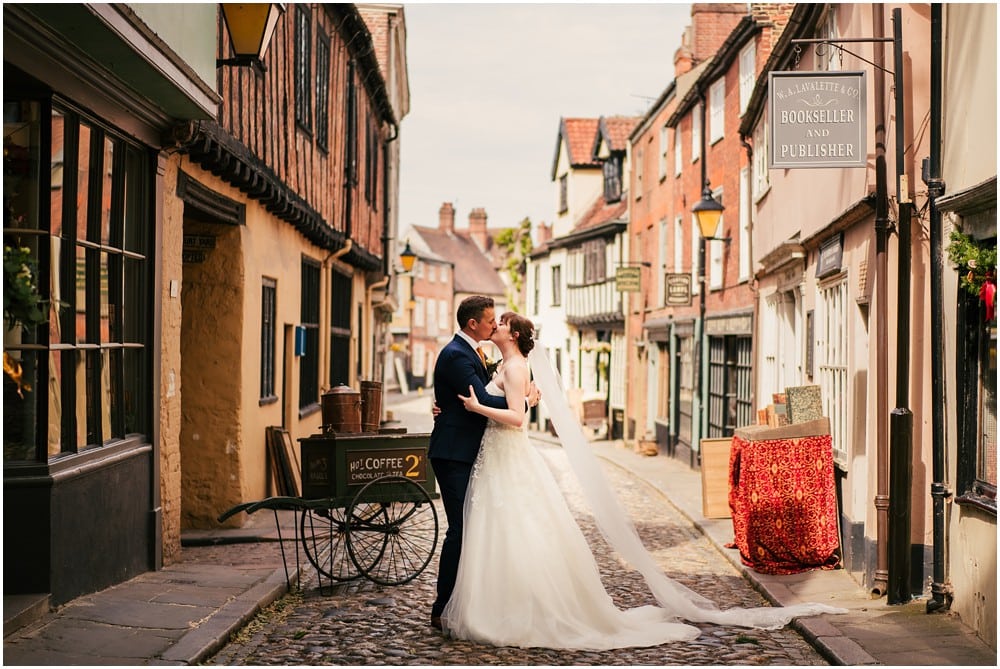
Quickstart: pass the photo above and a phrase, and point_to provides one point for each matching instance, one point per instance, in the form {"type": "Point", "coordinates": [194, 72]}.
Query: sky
{"type": "Point", "coordinates": [489, 83]}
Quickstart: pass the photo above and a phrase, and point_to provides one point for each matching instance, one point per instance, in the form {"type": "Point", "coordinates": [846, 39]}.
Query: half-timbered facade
{"type": "Point", "coordinates": [282, 253]}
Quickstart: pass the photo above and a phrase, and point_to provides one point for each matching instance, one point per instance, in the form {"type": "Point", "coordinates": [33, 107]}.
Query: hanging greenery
{"type": "Point", "coordinates": [977, 268]}
{"type": "Point", "coordinates": [22, 304]}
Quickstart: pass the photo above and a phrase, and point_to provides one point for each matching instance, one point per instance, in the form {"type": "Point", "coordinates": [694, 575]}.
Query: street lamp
{"type": "Point", "coordinates": [250, 27]}
{"type": "Point", "coordinates": [708, 212]}
{"type": "Point", "coordinates": [407, 257]}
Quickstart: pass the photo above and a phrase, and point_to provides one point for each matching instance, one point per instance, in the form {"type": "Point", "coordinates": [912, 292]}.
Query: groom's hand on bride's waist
{"type": "Point", "coordinates": [534, 395]}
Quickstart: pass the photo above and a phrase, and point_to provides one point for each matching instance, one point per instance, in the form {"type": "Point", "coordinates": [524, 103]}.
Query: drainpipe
{"type": "Point", "coordinates": [901, 420]}
{"type": "Point", "coordinates": [879, 586]}
{"type": "Point", "coordinates": [753, 284]}
{"type": "Point", "coordinates": [940, 591]}
{"type": "Point", "coordinates": [702, 289]}
{"type": "Point", "coordinates": [378, 364]}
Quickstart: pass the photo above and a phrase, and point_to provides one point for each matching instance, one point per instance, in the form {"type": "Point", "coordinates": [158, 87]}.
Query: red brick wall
{"type": "Point", "coordinates": [711, 23]}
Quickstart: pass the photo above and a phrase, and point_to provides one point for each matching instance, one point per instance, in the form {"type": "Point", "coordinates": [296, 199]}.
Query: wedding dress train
{"type": "Point", "coordinates": [527, 576]}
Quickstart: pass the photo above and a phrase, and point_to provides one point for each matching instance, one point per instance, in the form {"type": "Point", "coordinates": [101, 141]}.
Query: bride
{"type": "Point", "coordinates": [527, 576]}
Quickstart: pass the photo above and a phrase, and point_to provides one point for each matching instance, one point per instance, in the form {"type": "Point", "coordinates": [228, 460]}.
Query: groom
{"type": "Point", "coordinates": [457, 433]}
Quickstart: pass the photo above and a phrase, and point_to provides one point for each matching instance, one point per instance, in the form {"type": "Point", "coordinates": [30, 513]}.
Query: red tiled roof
{"type": "Point", "coordinates": [616, 129]}
{"type": "Point", "coordinates": [474, 271]}
{"type": "Point", "coordinates": [578, 133]}
{"type": "Point", "coordinates": [601, 212]}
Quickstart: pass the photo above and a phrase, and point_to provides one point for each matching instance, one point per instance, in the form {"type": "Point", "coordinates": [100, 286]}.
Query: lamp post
{"type": "Point", "coordinates": [250, 27]}
{"type": "Point", "coordinates": [407, 258]}
{"type": "Point", "coordinates": [708, 212]}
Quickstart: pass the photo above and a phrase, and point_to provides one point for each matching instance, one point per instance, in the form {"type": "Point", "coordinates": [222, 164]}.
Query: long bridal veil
{"type": "Point", "coordinates": [620, 533]}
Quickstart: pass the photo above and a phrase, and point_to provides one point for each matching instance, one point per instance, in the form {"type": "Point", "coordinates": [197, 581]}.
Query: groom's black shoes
{"type": "Point", "coordinates": [436, 622]}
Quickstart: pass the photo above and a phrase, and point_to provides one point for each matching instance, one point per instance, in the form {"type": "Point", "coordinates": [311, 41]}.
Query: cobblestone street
{"type": "Point", "coordinates": [362, 623]}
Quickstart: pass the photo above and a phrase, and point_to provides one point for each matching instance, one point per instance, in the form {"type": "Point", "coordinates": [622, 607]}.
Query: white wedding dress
{"type": "Point", "coordinates": [527, 576]}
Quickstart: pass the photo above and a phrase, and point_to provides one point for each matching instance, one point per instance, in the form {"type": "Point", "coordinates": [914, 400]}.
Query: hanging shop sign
{"type": "Point", "coordinates": [628, 279]}
{"type": "Point", "coordinates": [677, 289]}
{"type": "Point", "coordinates": [817, 119]}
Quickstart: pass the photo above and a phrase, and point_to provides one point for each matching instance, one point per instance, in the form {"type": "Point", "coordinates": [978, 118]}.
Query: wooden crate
{"type": "Point", "coordinates": [715, 477]}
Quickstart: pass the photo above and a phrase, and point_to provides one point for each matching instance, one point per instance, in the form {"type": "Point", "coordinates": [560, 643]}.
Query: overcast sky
{"type": "Point", "coordinates": [489, 83]}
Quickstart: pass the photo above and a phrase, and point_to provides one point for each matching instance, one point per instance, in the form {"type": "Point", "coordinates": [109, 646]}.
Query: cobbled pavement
{"type": "Point", "coordinates": [362, 623]}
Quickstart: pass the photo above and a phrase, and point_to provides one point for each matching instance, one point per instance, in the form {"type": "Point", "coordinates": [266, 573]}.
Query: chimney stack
{"type": "Point", "coordinates": [683, 58]}
{"type": "Point", "coordinates": [711, 24]}
{"type": "Point", "coordinates": [544, 233]}
{"type": "Point", "coordinates": [446, 218]}
{"type": "Point", "coordinates": [477, 227]}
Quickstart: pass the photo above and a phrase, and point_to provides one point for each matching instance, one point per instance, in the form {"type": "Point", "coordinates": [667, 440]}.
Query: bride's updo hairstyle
{"type": "Point", "coordinates": [522, 329]}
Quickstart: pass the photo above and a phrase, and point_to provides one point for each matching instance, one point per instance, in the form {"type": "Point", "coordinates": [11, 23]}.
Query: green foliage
{"type": "Point", "coordinates": [974, 261]}
{"type": "Point", "coordinates": [22, 304]}
{"type": "Point", "coordinates": [516, 245]}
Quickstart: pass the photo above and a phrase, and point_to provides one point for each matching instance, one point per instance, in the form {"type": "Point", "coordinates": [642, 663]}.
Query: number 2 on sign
{"type": "Point", "coordinates": [414, 461]}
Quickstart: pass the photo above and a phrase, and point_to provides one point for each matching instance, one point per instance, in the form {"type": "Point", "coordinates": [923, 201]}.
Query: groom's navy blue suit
{"type": "Point", "coordinates": [455, 442]}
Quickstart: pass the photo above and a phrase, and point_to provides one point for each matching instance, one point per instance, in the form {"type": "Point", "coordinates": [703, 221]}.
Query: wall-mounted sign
{"type": "Point", "coordinates": [677, 288]}
{"type": "Point", "coordinates": [831, 255]}
{"type": "Point", "coordinates": [628, 279]}
{"type": "Point", "coordinates": [817, 119]}
{"type": "Point", "coordinates": [199, 241]}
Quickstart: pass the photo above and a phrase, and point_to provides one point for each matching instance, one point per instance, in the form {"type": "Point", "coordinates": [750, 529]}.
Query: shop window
{"type": "Point", "coordinates": [322, 91]}
{"type": "Point", "coordinates": [268, 331]}
{"type": "Point", "coordinates": [340, 328]}
{"type": "Point", "coordinates": [76, 215]}
{"type": "Point", "coordinates": [309, 320]}
{"type": "Point", "coordinates": [303, 67]}
{"type": "Point", "coordinates": [977, 406]}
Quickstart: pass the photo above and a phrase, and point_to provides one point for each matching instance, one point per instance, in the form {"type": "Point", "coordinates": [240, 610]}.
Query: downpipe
{"type": "Point", "coordinates": [941, 592]}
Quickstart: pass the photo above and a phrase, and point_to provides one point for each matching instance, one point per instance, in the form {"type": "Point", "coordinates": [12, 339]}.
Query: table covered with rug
{"type": "Point", "coordinates": [783, 497]}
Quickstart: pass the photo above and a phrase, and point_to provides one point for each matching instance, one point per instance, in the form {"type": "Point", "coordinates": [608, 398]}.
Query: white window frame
{"type": "Point", "coordinates": [761, 175]}
{"type": "Point", "coordinates": [679, 244]}
{"type": "Point", "coordinates": [662, 264]}
{"type": "Point", "coordinates": [745, 220]}
{"type": "Point", "coordinates": [716, 251]}
{"type": "Point", "coordinates": [444, 315]}
{"type": "Point", "coordinates": [696, 133]}
{"type": "Point", "coordinates": [695, 248]}
{"type": "Point", "coordinates": [431, 273]}
{"type": "Point", "coordinates": [717, 110]}
{"type": "Point", "coordinates": [832, 342]}
{"type": "Point", "coordinates": [418, 363]}
{"type": "Point", "coordinates": [419, 311]}
{"type": "Point", "coordinates": [638, 174]}
{"type": "Point", "coordinates": [664, 150]}
{"type": "Point", "coordinates": [748, 74]}
{"type": "Point", "coordinates": [678, 153]}
{"type": "Point", "coordinates": [432, 316]}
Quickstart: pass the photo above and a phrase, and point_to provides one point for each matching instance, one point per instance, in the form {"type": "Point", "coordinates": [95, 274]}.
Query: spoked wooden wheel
{"type": "Point", "coordinates": [392, 530]}
{"type": "Point", "coordinates": [324, 538]}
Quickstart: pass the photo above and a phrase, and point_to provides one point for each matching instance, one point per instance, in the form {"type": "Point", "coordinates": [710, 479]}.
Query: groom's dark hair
{"type": "Point", "coordinates": [473, 307]}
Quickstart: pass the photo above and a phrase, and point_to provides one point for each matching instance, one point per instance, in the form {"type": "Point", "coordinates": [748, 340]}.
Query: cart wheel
{"type": "Point", "coordinates": [394, 546]}
{"type": "Point", "coordinates": [323, 533]}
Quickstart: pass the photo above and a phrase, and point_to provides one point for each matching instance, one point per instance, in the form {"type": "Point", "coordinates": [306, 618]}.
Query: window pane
{"type": "Point", "coordinates": [104, 307]}
{"type": "Point", "coordinates": [104, 399]}
{"type": "Point", "coordinates": [20, 407]}
{"type": "Point", "coordinates": [133, 376]}
{"type": "Point", "coordinates": [83, 181]}
{"type": "Point", "coordinates": [987, 457]}
{"type": "Point", "coordinates": [267, 337]}
{"type": "Point", "coordinates": [55, 426]}
{"type": "Point", "coordinates": [81, 296]}
{"type": "Point", "coordinates": [80, 397]}
{"type": "Point", "coordinates": [134, 190]}
{"type": "Point", "coordinates": [106, 170]}
{"type": "Point", "coordinates": [134, 308]}
{"type": "Point", "coordinates": [57, 170]}
{"type": "Point", "coordinates": [22, 157]}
